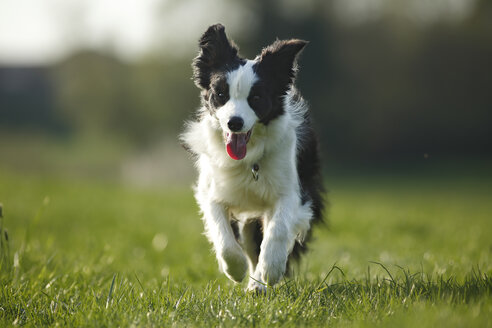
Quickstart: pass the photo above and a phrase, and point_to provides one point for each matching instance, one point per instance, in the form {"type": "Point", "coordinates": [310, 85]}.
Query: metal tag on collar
{"type": "Point", "coordinates": [254, 171]}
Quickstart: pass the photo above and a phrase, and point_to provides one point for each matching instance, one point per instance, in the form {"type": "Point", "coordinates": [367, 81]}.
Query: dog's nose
{"type": "Point", "coordinates": [235, 123]}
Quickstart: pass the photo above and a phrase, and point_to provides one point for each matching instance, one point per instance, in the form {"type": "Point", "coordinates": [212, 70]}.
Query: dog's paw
{"type": "Point", "coordinates": [257, 287]}
{"type": "Point", "coordinates": [234, 264]}
{"type": "Point", "coordinates": [272, 264]}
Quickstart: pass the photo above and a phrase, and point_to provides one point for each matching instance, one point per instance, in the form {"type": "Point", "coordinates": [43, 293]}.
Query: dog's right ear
{"type": "Point", "coordinates": [216, 52]}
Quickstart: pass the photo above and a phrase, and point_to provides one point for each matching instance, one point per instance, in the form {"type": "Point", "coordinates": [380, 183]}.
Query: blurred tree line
{"type": "Point", "coordinates": [380, 89]}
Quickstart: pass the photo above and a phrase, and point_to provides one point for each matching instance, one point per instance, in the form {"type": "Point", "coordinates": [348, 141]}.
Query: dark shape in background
{"type": "Point", "coordinates": [27, 99]}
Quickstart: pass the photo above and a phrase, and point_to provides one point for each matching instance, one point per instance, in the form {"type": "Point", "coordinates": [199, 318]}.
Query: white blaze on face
{"type": "Point", "coordinates": [240, 82]}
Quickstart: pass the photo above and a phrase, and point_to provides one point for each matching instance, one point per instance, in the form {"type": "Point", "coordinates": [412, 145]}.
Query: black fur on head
{"type": "Point", "coordinates": [278, 62]}
{"type": "Point", "coordinates": [217, 54]}
{"type": "Point", "coordinates": [277, 68]}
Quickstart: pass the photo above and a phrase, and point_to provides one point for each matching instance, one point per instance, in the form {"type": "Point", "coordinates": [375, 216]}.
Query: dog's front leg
{"type": "Point", "coordinates": [278, 240]}
{"type": "Point", "coordinates": [218, 229]}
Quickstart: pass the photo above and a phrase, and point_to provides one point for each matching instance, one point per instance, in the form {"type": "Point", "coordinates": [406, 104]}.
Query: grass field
{"type": "Point", "coordinates": [399, 251]}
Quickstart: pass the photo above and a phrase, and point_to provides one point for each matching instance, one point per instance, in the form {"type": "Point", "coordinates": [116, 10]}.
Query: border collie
{"type": "Point", "coordinates": [259, 186]}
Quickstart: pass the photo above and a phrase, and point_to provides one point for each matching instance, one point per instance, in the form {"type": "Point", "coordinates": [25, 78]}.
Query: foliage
{"type": "Point", "coordinates": [100, 95]}
{"type": "Point", "coordinates": [388, 86]}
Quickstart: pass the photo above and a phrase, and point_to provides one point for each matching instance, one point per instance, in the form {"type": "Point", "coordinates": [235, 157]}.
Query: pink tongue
{"type": "Point", "coordinates": [236, 145]}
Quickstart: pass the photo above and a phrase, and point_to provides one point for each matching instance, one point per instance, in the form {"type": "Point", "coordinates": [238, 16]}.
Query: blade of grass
{"type": "Point", "coordinates": [110, 291]}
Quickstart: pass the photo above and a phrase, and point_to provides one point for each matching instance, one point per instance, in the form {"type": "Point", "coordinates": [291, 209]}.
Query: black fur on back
{"type": "Point", "coordinates": [310, 176]}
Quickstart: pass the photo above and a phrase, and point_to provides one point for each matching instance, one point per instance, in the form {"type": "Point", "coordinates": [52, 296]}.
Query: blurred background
{"type": "Point", "coordinates": [100, 88]}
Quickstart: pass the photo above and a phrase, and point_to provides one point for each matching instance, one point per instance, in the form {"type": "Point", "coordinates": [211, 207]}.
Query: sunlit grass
{"type": "Point", "coordinates": [400, 252]}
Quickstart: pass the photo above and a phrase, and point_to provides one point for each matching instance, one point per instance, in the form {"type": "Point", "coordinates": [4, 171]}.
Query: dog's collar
{"type": "Point", "coordinates": [254, 170]}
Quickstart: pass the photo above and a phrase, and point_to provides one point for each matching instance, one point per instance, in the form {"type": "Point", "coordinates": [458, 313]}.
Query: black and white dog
{"type": "Point", "coordinates": [259, 186]}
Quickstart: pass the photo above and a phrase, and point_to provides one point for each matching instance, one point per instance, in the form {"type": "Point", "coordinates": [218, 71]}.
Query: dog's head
{"type": "Point", "coordinates": [240, 93]}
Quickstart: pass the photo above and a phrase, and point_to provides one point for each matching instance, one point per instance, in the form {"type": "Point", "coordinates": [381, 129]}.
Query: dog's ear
{"type": "Point", "coordinates": [278, 62]}
{"type": "Point", "coordinates": [216, 52]}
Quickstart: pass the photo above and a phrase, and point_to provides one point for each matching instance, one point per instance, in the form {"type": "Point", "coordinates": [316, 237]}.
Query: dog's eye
{"type": "Point", "coordinates": [255, 98]}
{"type": "Point", "coordinates": [221, 95]}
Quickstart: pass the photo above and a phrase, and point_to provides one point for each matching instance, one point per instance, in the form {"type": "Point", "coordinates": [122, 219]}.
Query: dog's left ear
{"type": "Point", "coordinates": [216, 52]}
{"type": "Point", "coordinates": [278, 61]}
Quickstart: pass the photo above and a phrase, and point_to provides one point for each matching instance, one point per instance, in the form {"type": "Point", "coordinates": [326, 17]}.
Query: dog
{"type": "Point", "coordinates": [259, 177]}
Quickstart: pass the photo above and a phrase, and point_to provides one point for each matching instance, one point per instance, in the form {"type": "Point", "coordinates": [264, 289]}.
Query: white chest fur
{"type": "Point", "coordinates": [231, 183]}
{"type": "Point", "coordinates": [237, 189]}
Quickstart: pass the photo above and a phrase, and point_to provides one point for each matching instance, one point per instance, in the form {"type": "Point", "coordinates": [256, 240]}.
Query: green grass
{"type": "Point", "coordinates": [399, 251]}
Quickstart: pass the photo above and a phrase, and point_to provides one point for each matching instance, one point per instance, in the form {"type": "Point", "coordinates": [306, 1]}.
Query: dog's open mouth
{"type": "Point", "coordinates": [236, 144]}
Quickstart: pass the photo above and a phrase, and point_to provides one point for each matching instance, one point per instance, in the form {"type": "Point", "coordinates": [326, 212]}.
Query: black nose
{"type": "Point", "coordinates": [235, 123]}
